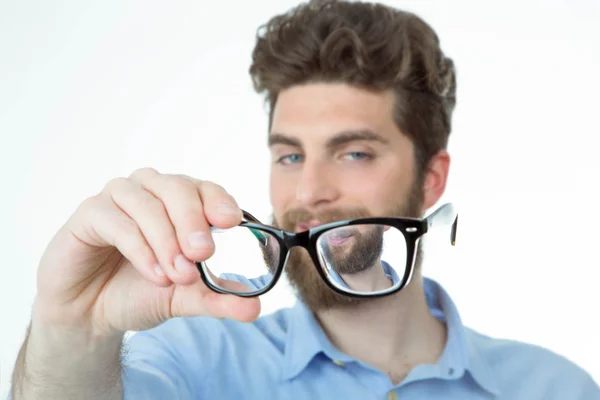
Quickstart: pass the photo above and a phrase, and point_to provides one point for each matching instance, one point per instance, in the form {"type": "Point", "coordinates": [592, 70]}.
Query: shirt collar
{"type": "Point", "coordinates": [306, 340]}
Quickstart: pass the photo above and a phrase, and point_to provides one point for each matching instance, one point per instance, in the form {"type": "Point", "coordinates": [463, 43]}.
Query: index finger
{"type": "Point", "coordinates": [220, 208]}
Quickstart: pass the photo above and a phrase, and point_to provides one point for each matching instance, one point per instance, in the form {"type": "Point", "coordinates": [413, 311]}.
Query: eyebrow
{"type": "Point", "coordinates": [339, 139]}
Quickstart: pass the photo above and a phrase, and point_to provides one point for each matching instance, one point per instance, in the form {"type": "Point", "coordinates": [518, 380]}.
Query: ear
{"type": "Point", "coordinates": [436, 177]}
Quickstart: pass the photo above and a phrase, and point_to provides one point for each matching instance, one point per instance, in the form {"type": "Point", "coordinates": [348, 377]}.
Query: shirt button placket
{"type": "Point", "coordinates": [392, 395]}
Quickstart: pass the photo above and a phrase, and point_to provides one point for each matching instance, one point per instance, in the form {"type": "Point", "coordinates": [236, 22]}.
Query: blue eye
{"type": "Point", "coordinates": [357, 156]}
{"type": "Point", "coordinates": [290, 159]}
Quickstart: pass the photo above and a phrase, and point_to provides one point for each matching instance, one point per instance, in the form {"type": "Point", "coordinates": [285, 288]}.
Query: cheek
{"type": "Point", "coordinates": [378, 189]}
{"type": "Point", "coordinates": [282, 191]}
{"type": "Point", "coordinates": [371, 181]}
{"type": "Point", "coordinates": [370, 191]}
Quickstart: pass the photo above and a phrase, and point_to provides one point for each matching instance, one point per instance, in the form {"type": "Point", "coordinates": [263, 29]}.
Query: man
{"type": "Point", "coordinates": [361, 98]}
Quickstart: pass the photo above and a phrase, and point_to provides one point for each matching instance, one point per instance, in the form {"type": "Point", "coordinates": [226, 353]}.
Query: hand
{"type": "Point", "coordinates": [123, 261]}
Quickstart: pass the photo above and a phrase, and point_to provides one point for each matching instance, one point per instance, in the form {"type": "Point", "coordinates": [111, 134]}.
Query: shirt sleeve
{"type": "Point", "coordinates": [165, 363]}
{"type": "Point", "coordinates": [571, 382]}
{"type": "Point", "coordinates": [588, 390]}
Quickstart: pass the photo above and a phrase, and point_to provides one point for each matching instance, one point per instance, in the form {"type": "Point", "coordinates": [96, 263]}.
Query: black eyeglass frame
{"type": "Point", "coordinates": [412, 229]}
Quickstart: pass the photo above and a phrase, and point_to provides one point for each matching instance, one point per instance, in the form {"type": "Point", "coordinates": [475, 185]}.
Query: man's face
{"type": "Point", "coordinates": [336, 154]}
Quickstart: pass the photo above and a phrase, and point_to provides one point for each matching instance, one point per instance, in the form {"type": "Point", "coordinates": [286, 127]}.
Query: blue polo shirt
{"type": "Point", "coordinates": [285, 355]}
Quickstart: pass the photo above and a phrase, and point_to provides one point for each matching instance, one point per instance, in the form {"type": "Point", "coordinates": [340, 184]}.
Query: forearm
{"type": "Point", "coordinates": [58, 363]}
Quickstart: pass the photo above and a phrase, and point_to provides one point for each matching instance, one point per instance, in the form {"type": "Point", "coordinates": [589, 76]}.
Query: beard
{"type": "Point", "coordinates": [363, 253]}
{"type": "Point", "coordinates": [300, 269]}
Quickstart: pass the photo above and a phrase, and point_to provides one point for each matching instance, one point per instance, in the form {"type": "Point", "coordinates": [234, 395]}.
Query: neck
{"type": "Point", "coordinates": [393, 333]}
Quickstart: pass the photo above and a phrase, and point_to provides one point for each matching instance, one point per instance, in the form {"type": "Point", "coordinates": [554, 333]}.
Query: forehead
{"type": "Point", "coordinates": [319, 110]}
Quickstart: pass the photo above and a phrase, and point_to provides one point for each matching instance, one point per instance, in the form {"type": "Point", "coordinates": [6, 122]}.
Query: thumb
{"type": "Point", "coordinates": [197, 300]}
{"type": "Point", "coordinates": [243, 309]}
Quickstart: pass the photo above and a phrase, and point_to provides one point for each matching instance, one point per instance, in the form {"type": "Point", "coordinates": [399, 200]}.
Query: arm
{"type": "Point", "coordinates": [79, 367]}
{"type": "Point", "coordinates": [62, 364]}
{"type": "Point", "coordinates": [118, 265]}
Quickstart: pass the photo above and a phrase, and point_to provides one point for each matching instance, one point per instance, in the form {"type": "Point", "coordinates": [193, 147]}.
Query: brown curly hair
{"type": "Point", "coordinates": [368, 45]}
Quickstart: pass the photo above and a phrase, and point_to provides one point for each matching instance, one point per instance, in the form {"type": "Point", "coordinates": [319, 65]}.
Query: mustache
{"type": "Point", "coordinates": [293, 217]}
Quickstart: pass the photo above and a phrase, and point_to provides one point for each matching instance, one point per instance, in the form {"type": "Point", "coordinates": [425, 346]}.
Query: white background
{"type": "Point", "coordinates": [94, 90]}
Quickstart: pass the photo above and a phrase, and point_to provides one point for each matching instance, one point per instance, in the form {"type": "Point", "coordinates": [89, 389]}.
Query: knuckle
{"type": "Point", "coordinates": [90, 201]}
{"type": "Point", "coordinates": [186, 177]}
{"type": "Point", "coordinates": [144, 173]}
{"type": "Point", "coordinates": [216, 194]}
{"type": "Point", "coordinates": [214, 186]}
{"type": "Point", "coordinates": [179, 182]}
{"type": "Point", "coordinates": [115, 184]}
{"type": "Point", "coordinates": [90, 204]}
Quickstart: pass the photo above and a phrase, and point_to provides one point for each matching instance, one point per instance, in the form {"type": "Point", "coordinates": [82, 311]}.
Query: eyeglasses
{"type": "Point", "coordinates": [364, 257]}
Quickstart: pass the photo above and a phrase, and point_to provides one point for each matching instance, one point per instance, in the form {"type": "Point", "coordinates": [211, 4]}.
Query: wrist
{"type": "Point", "coordinates": [62, 341]}
{"type": "Point", "coordinates": [58, 321]}
{"type": "Point", "coordinates": [60, 363]}
{"type": "Point", "coordinates": [70, 355]}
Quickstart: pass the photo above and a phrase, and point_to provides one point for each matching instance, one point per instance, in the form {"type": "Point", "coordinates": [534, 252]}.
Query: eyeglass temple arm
{"type": "Point", "coordinates": [249, 217]}
{"type": "Point", "coordinates": [444, 216]}
{"type": "Point", "coordinates": [262, 238]}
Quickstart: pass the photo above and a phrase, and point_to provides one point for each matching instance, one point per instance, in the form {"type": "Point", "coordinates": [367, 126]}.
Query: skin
{"type": "Point", "coordinates": [122, 261]}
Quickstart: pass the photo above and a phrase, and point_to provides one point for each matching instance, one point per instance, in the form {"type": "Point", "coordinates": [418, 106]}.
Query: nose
{"type": "Point", "coordinates": [317, 185]}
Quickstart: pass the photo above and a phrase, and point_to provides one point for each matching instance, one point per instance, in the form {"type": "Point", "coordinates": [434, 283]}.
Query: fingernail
{"type": "Point", "coordinates": [200, 240]}
{"type": "Point", "coordinates": [228, 209]}
{"type": "Point", "coordinates": [158, 270]}
{"type": "Point", "coordinates": [183, 265]}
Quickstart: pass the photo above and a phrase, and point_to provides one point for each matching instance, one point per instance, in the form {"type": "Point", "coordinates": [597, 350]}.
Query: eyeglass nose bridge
{"type": "Point", "coordinates": [300, 239]}
{"type": "Point", "coordinates": [304, 240]}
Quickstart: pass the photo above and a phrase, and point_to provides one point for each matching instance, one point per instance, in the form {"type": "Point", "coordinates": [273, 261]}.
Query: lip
{"type": "Point", "coordinates": [339, 237]}
{"type": "Point", "coordinates": [338, 241]}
